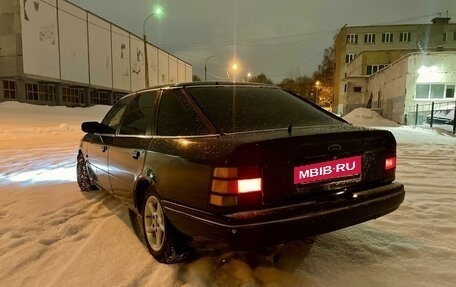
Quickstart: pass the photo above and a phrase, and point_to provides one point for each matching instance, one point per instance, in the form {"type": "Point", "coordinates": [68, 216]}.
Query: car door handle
{"type": "Point", "coordinates": [135, 154]}
{"type": "Point", "coordinates": [104, 148]}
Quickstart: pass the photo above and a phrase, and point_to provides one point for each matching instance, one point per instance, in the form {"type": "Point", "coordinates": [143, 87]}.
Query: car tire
{"type": "Point", "coordinates": [82, 174]}
{"type": "Point", "coordinates": [163, 241]}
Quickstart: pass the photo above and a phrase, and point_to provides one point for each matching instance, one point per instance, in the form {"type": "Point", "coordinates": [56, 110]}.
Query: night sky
{"type": "Point", "coordinates": [278, 38]}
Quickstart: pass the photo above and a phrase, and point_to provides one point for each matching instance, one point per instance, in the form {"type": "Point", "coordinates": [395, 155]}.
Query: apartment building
{"type": "Point", "coordinates": [362, 51]}
{"type": "Point", "coordinates": [53, 52]}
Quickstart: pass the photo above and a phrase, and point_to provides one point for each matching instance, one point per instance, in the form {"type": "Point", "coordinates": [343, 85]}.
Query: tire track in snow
{"type": "Point", "coordinates": [39, 237]}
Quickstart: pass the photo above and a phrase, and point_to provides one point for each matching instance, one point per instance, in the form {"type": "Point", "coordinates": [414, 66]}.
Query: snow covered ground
{"type": "Point", "coordinates": [53, 235]}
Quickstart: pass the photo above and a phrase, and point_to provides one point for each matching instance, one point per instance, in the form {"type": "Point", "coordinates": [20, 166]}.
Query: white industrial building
{"type": "Point", "coordinates": [418, 78]}
{"type": "Point", "coordinates": [55, 53]}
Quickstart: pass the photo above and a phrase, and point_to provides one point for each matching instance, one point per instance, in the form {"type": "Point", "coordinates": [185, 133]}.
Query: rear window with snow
{"type": "Point", "coordinates": [239, 109]}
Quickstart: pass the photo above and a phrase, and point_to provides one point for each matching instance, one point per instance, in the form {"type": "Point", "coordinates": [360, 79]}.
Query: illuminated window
{"type": "Point", "coordinates": [369, 38]}
{"type": "Point", "coordinates": [422, 91]}
{"type": "Point", "coordinates": [405, 37]}
{"type": "Point", "coordinates": [437, 91]}
{"type": "Point", "coordinates": [352, 39]}
{"type": "Point", "coordinates": [434, 91]}
{"type": "Point", "coordinates": [387, 37]}
{"type": "Point", "coordinates": [9, 89]}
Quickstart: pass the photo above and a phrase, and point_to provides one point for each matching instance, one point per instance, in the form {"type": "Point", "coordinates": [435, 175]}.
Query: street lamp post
{"type": "Point", "coordinates": [158, 11]}
{"type": "Point", "coordinates": [146, 61]}
{"type": "Point", "coordinates": [317, 93]}
{"type": "Point", "coordinates": [205, 67]}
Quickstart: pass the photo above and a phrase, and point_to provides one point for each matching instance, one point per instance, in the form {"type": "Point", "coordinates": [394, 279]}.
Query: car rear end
{"type": "Point", "coordinates": [288, 181]}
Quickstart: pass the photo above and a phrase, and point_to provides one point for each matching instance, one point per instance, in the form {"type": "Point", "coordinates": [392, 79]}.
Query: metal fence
{"type": "Point", "coordinates": [441, 114]}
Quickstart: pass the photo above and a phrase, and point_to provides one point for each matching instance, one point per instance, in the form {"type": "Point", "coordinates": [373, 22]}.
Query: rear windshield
{"type": "Point", "coordinates": [240, 109]}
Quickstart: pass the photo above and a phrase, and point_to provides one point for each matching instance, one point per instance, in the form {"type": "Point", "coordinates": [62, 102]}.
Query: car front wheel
{"type": "Point", "coordinates": [82, 175]}
{"type": "Point", "coordinates": [164, 242]}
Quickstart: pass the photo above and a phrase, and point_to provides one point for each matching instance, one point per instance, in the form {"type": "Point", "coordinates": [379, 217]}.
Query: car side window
{"type": "Point", "coordinates": [112, 119]}
{"type": "Point", "coordinates": [177, 117]}
{"type": "Point", "coordinates": [138, 115]}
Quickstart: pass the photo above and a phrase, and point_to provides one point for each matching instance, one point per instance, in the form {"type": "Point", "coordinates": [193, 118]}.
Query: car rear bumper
{"type": "Point", "coordinates": [259, 228]}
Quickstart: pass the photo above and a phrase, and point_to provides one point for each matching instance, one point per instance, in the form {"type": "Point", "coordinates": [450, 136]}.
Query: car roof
{"type": "Point", "coordinates": [207, 84]}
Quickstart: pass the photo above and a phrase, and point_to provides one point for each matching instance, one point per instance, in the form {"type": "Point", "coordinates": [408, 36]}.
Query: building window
{"type": "Point", "coordinates": [349, 58]}
{"type": "Point", "coordinates": [352, 39]}
{"type": "Point", "coordinates": [405, 37]}
{"type": "Point", "coordinates": [449, 93]}
{"type": "Point", "coordinates": [454, 35]}
{"type": "Point", "coordinates": [437, 91]}
{"type": "Point", "coordinates": [371, 69]}
{"type": "Point", "coordinates": [73, 95]}
{"type": "Point", "coordinates": [369, 38]}
{"type": "Point", "coordinates": [9, 89]}
{"type": "Point", "coordinates": [357, 89]}
{"type": "Point", "coordinates": [31, 91]}
{"type": "Point", "coordinates": [445, 36]}
{"type": "Point", "coordinates": [434, 91]}
{"type": "Point", "coordinates": [387, 37]}
{"type": "Point", "coordinates": [46, 92]}
{"type": "Point", "coordinates": [99, 98]}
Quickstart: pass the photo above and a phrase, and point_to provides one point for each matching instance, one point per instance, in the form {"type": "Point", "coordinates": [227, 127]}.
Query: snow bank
{"type": "Point", "coordinates": [367, 117]}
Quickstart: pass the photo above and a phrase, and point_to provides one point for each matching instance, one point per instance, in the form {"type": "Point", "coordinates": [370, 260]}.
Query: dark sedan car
{"type": "Point", "coordinates": [243, 164]}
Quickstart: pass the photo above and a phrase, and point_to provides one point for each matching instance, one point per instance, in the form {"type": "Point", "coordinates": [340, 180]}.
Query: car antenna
{"type": "Point", "coordinates": [290, 127]}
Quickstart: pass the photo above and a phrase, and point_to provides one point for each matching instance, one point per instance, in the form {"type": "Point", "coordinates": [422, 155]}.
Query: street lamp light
{"type": "Point", "coordinates": [234, 67]}
{"type": "Point", "coordinates": [317, 93]}
{"type": "Point", "coordinates": [158, 11]}
{"type": "Point", "coordinates": [205, 66]}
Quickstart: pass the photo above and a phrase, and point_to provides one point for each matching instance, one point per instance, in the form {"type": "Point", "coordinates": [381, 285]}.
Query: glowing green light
{"type": "Point", "coordinates": [158, 11]}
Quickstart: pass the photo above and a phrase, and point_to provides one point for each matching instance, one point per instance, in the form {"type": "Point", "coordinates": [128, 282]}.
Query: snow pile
{"type": "Point", "coordinates": [51, 234]}
{"type": "Point", "coordinates": [369, 118]}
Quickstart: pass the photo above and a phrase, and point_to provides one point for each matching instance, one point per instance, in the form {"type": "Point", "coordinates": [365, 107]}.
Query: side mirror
{"type": "Point", "coordinates": [91, 127]}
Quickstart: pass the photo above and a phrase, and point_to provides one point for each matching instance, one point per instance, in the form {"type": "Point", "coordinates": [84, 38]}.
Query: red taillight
{"type": "Point", "coordinates": [390, 163]}
{"type": "Point", "coordinates": [229, 183]}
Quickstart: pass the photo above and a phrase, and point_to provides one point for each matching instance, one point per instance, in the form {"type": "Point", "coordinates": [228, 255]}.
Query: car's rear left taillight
{"type": "Point", "coordinates": [234, 186]}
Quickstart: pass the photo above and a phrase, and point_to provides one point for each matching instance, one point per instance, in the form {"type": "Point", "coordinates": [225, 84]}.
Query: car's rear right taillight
{"type": "Point", "coordinates": [233, 186]}
{"type": "Point", "coordinates": [390, 163]}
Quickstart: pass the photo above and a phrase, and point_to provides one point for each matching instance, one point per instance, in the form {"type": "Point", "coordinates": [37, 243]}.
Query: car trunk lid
{"type": "Point", "coordinates": [317, 161]}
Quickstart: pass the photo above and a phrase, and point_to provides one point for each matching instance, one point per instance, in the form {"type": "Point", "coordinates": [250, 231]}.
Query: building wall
{"type": "Point", "coordinates": [55, 51]}
{"type": "Point", "coordinates": [9, 40]}
{"type": "Point", "coordinates": [422, 37]}
{"type": "Point", "coordinates": [394, 88]}
{"type": "Point", "coordinates": [388, 88]}
{"type": "Point", "coordinates": [100, 58]}
{"type": "Point", "coordinates": [429, 68]}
